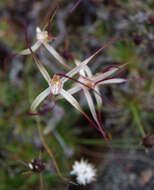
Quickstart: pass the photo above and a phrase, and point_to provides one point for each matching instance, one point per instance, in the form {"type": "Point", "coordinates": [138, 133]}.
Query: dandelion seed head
{"type": "Point", "coordinates": [84, 171]}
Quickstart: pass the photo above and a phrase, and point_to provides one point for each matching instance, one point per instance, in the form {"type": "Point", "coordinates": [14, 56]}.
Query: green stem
{"type": "Point", "coordinates": [137, 119]}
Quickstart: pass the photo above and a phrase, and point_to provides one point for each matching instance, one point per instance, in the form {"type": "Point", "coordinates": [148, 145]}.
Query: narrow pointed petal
{"type": "Point", "coordinates": [56, 55]}
{"type": "Point", "coordinates": [109, 68]}
{"type": "Point", "coordinates": [111, 81]}
{"type": "Point", "coordinates": [34, 48]}
{"type": "Point", "coordinates": [38, 63]}
{"type": "Point", "coordinates": [101, 95]}
{"type": "Point", "coordinates": [91, 105]}
{"type": "Point", "coordinates": [71, 91]}
{"type": "Point", "coordinates": [40, 98]}
{"type": "Point", "coordinates": [47, 106]}
{"type": "Point", "coordinates": [102, 76]}
{"type": "Point", "coordinates": [85, 69]}
{"type": "Point", "coordinates": [74, 89]}
{"type": "Point", "coordinates": [98, 98]}
{"type": "Point", "coordinates": [77, 68]}
{"type": "Point", "coordinates": [88, 71]}
{"type": "Point", "coordinates": [43, 70]}
{"type": "Point", "coordinates": [71, 100]}
{"type": "Point", "coordinates": [86, 61]}
{"type": "Point", "coordinates": [75, 104]}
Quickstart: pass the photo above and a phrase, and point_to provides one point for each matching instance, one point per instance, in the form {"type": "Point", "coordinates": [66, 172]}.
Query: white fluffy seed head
{"type": "Point", "coordinates": [85, 172]}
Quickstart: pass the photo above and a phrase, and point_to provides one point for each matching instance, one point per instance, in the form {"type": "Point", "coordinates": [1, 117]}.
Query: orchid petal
{"type": "Point", "coordinates": [40, 98]}
{"type": "Point", "coordinates": [71, 100]}
{"type": "Point", "coordinates": [74, 89]}
{"type": "Point", "coordinates": [91, 105]}
{"type": "Point", "coordinates": [43, 70]}
{"type": "Point", "coordinates": [98, 98]}
{"type": "Point", "coordinates": [33, 47]}
{"type": "Point", "coordinates": [88, 71]}
{"type": "Point", "coordinates": [38, 63]}
{"type": "Point", "coordinates": [77, 68]}
{"type": "Point", "coordinates": [56, 55]}
{"type": "Point", "coordinates": [86, 61]}
{"type": "Point", "coordinates": [102, 76]}
{"type": "Point", "coordinates": [71, 91]}
{"type": "Point", "coordinates": [112, 81]}
{"type": "Point", "coordinates": [75, 104]}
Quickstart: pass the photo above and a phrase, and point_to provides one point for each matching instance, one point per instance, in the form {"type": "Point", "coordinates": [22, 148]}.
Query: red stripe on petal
{"type": "Point", "coordinates": [27, 42]}
{"type": "Point", "coordinates": [75, 80]}
{"type": "Point", "coordinates": [108, 68]}
{"type": "Point", "coordinates": [51, 15]}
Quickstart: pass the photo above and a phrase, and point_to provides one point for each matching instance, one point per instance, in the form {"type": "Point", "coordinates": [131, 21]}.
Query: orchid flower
{"type": "Point", "coordinates": [44, 38]}
{"type": "Point", "coordinates": [56, 83]}
{"type": "Point", "coordinates": [93, 82]}
{"type": "Point", "coordinates": [55, 87]}
{"type": "Point", "coordinates": [86, 79]}
{"type": "Point", "coordinates": [86, 73]}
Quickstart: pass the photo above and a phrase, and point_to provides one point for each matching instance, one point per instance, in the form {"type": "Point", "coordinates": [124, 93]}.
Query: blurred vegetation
{"type": "Point", "coordinates": [67, 133]}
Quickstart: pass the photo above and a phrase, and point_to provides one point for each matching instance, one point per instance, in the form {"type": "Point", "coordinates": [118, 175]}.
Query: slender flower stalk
{"type": "Point", "coordinates": [49, 151]}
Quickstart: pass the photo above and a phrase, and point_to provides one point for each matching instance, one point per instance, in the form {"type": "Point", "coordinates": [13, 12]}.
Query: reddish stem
{"type": "Point", "coordinates": [108, 68]}
{"type": "Point", "coordinates": [101, 95]}
{"type": "Point", "coordinates": [7, 58]}
{"type": "Point", "coordinates": [115, 76]}
{"type": "Point", "coordinates": [28, 44]}
{"type": "Point", "coordinates": [50, 17]}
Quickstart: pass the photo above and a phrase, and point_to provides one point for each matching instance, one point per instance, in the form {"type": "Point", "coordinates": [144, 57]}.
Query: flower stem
{"type": "Point", "coordinates": [135, 113]}
{"type": "Point", "coordinates": [41, 182]}
{"type": "Point", "coordinates": [49, 151]}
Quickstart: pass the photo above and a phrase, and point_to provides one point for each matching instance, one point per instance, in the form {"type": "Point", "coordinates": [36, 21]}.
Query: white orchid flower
{"type": "Point", "coordinates": [43, 38]}
{"type": "Point", "coordinates": [86, 78]}
{"type": "Point", "coordinates": [55, 88]}
{"type": "Point", "coordinates": [86, 73]}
